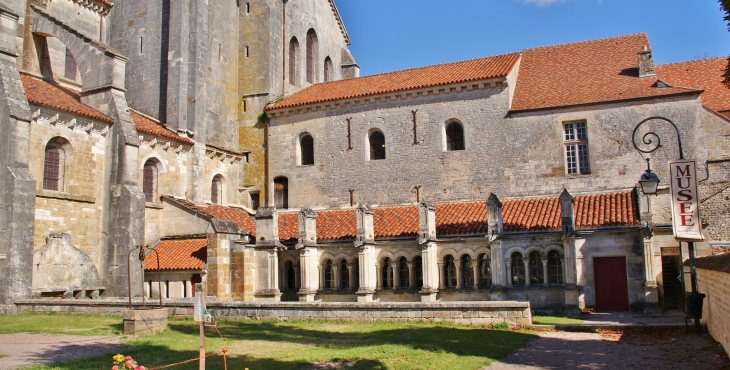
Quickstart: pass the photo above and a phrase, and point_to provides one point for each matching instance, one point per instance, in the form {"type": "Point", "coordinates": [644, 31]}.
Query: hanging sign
{"type": "Point", "coordinates": [685, 200]}
{"type": "Point", "coordinates": [200, 312]}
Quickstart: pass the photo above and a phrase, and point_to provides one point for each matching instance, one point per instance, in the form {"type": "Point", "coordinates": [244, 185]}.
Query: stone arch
{"type": "Point", "coordinates": [385, 254]}
{"type": "Point", "coordinates": [341, 256]}
{"type": "Point", "coordinates": [518, 248]}
{"type": "Point", "coordinates": [99, 65]}
{"type": "Point", "coordinates": [555, 247]}
{"type": "Point", "coordinates": [154, 157]}
{"type": "Point", "coordinates": [448, 251]}
{"type": "Point", "coordinates": [401, 253]}
{"type": "Point", "coordinates": [326, 256]}
{"type": "Point", "coordinates": [535, 248]}
{"type": "Point", "coordinates": [467, 251]}
{"type": "Point", "coordinates": [482, 250]}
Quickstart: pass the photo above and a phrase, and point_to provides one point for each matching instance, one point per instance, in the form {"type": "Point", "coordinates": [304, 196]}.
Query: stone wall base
{"type": "Point", "coordinates": [472, 313]}
{"type": "Point", "coordinates": [145, 322]}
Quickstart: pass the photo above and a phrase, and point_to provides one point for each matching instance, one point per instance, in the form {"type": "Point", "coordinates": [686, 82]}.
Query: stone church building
{"type": "Point", "coordinates": [237, 139]}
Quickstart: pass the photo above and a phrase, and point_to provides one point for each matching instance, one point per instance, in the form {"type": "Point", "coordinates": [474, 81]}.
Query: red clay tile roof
{"type": "Point", "coordinates": [461, 218]}
{"type": "Point", "coordinates": [184, 254]}
{"type": "Point", "coordinates": [240, 216]}
{"type": "Point", "coordinates": [706, 74]}
{"type": "Point", "coordinates": [332, 225]}
{"type": "Point", "coordinates": [148, 126]}
{"type": "Point", "coordinates": [409, 79]}
{"type": "Point", "coordinates": [48, 94]}
{"type": "Point", "coordinates": [586, 72]}
{"type": "Point", "coordinates": [531, 214]}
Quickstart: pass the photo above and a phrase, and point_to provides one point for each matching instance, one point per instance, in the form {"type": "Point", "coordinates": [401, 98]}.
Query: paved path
{"type": "Point", "coordinates": [23, 349]}
{"type": "Point", "coordinates": [641, 348]}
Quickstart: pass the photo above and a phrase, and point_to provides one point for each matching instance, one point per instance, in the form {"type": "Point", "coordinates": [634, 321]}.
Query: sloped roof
{"type": "Point", "coordinates": [148, 126]}
{"type": "Point", "coordinates": [409, 79]}
{"type": "Point", "coordinates": [705, 74]}
{"type": "Point", "coordinates": [586, 72]}
{"type": "Point", "coordinates": [720, 262]}
{"type": "Point", "coordinates": [51, 95]}
{"type": "Point", "coordinates": [182, 254]}
{"type": "Point", "coordinates": [240, 216]}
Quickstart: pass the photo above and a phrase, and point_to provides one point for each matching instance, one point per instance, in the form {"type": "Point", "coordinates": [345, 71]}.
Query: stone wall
{"type": "Point", "coordinates": [469, 313]}
{"type": "Point", "coordinates": [508, 154]}
{"type": "Point", "coordinates": [716, 309]}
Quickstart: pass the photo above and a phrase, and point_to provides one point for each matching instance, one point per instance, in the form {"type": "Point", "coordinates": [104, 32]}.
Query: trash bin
{"type": "Point", "coordinates": [694, 305]}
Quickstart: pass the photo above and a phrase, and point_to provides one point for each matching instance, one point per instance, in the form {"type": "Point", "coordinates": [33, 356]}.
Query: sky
{"type": "Point", "coordinates": [390, 35]}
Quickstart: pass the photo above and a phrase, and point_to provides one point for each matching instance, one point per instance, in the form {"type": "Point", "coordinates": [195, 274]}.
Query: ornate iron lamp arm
{"type": "Point", "coordinates": [649, 137]}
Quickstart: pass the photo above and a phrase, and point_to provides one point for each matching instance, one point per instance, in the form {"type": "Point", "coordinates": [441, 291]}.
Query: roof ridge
{"type": "Point", "coordinates": [588, 41]}
{"type": "Point", "coordinates": [692, 61]}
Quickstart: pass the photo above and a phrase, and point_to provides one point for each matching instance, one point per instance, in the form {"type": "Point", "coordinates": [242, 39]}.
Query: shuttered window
{"type": "Point", "coordinates": [281, 193]}
{"type": "Point", "coordinates": [293, 47]}
{"type": "Point", "coordinates": [307, 148]}
{"type": "Point", "coordinates": [53, 167]}
{"type": "Point", "coordinates": [71, 68]}
{"type": "Point", "coordinates": [149, 181]}
{"type": "Point", "coordinates": [311, 43]}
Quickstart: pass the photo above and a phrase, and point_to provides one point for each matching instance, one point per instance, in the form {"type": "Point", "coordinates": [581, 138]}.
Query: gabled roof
{"type": "Point", "coordinates": [705, 74]}
{"type": "Point", "coordinates": [179, 254]}
{"type": "Point", "coordinates": [418, 78]}
{"type": "Point", "coordinates": [148, 126]}
{"type": "Point", "coordinates": [588, 72]}
{"type": "Point", "coordinates": [51, 95]}
{"type": "Point", "coordinates": [339, 21]}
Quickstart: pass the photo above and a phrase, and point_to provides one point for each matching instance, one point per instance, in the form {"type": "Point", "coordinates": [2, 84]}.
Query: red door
{"type": "Point", "coordinates": [612, 292]}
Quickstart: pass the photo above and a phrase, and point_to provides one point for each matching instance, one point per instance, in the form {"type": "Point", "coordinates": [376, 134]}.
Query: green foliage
{"type": "Point", "coordinates": [504, 325]}
{"type": "Point", "coordinates": [263, 118]}
{"type": "Point", "coordinates": [555, 320]}
{"type": "Point", "coordinates": [322, 344]}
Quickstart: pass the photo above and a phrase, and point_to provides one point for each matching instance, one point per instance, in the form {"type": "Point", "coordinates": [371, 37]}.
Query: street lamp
{"type": "Point", "coordinates": [649, 182]}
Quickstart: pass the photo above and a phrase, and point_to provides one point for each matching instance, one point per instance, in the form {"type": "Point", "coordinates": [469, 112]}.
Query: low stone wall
{"type": "Point", "coordinates": [713, 279]}
{"type": "Point", "coordinates": [8, 309]}
{"type": "Point", "coordinates": [474, 313]}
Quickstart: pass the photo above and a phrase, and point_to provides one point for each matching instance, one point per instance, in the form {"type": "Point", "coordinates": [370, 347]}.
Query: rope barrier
{"type": "Point", "coordinates": [222, 351]}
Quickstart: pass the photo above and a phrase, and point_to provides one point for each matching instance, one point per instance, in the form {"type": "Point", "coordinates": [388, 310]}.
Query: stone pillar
{"type": "Point", "coordinates": [651, 290]}
{"type": "Point", "coordinates": [411, 276]}
{"type": "Point", "coordinates": [219, 283]}
{"type": "Point", "coordinates": [499, 273]}
{"type": "Point", "coordinates": [336, 271]}
{"type": "Point", "coordinates": [310, 275]}
{"type": "Point", "coordinates": [242, 271]}
{"type": "Point", "coordinates": [442, 277]}
{"type": "Point", "coordinates": [365, 243]}
{"type": "Point", "coordinates": [508, 269]}
{"type": "Point", "coordinates": [395, 278]}
{"type": "Point", "coordinates": [321, 271]}
{"type": "Point", "coordinates": [567, 220]}
{"type": "Point", "coordinates": [545, 271]}
{"type": "Point", "coordinates": [526, 262]}
{"type": "Point", "coordinates": [17, 185]}
{"type": "Point", "coordinates": [297, 277]}
{"type": "Point", "coordinates": [351, 272]}
{"type": "Point", "coordinates": [459, 273]}
{"type": "Point", "coordinates": [379, 283]}
{"type": "Point", "coordinates": [475, 268]}
{"type": "Point", "coordinates": [495, 231]}
{"type": "Point", "coordinates": [431, 266]}
{"type": "Point", "coordinates": [267, 261]}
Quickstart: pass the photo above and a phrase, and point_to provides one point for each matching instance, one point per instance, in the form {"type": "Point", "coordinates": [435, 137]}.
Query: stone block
{"type": "Point", "coordinates": [143, 322]}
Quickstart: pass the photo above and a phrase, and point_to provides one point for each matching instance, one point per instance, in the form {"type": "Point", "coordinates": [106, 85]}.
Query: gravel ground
{"type": "Point", "coordinates": [23, 349]}
{"type": "Point", "coordinates": [632, 348]}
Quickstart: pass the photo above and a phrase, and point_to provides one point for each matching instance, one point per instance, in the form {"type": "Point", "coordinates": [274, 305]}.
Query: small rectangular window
{"type": "Point", "coordinates": [254, 201]}
{"type": "Point", "coordinates": [248, 8]}
{"type": "Point", "coordinates": [246, 51]}
{"type": "Point", "coordinates": [576, 148]}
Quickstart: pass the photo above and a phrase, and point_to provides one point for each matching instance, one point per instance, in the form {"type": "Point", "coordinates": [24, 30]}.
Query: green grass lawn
{"type": "Point", "coordinates": [555, 320]}
{"type": "Point", "coordinates": [290, 345]}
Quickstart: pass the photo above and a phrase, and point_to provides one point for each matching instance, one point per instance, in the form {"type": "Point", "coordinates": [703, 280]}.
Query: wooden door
{"type": "Point", "coordinates": [612, 292]}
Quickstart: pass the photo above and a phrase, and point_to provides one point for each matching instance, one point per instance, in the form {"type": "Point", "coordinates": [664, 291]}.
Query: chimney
{"type": "Point", "coordinates": [427, 222]}
{"type": "Point", "coordinates": [494, 217]}
{"type": "Point", "coordinates": [307, 229]}
{"type": "Point", "coordinates": [567, 214]}
{"type": "Point", "coordinates": [365, 225]}
{"type": "Point", "coordinates": [646, 63]}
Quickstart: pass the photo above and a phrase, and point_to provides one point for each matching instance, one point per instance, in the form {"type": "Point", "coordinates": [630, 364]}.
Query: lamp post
{"type": "Point", "coordinates": [649, 182]}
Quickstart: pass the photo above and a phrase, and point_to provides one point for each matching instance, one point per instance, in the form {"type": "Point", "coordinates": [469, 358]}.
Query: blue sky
{"type": "Point", "coordinates": [389, 35]}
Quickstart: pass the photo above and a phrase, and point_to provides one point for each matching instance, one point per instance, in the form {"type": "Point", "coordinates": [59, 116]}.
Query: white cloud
{"type": "Point", "coordinates": [542, 2]}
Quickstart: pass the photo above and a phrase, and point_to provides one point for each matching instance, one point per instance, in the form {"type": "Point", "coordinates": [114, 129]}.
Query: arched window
{"type": "Point", "coordinates": [403, 278]}
{"type": "Point", "coordinates": [449, 272]}
{"type": "Point", "coordinates": [537, 275]}
{"type": "Point", "coordinates": [454, 136]}
{"type": "Point", "coordinates": [418, 271]}
{"type": "Point", "coordinates": [387, 274]}
{"type": "Point", "coordinates": [306, 146]}
{"type": "Point", "coordinates": [467, 271]}
{"type": "Point", "coordinates": [290, 276]}
{"type": "Point", "coordinates": [281, 192]}
{"type": "Point", "coordinates": [328, 69]}
{"type": "Point", "coordinates": [485, 270]}
{"type": "Point", "coordinates": [216, 190]}
{"type": "Point", "coordinates": [311, 54]}
{"type": "Point", "coordinates": [53, 166]}
{"type": "Point", "coordinates": [356, 274]}
{"type": "Point", "coordinates": [149, 181]}
{"type": "Point", "coordinates": [329, 276]}
{"type": "Point", "coordinates": [518, 270]}
{"type": "Point", "coordinates": [293, 62]}
{"type": "Point", "coordinates": [555, 268]}
{"type": "Point", "coordinates": [344, 275]}
{"type": "Point", "coordinates": [377, 145]}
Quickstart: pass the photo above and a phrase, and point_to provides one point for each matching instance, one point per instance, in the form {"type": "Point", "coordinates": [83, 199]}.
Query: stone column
{"type": "Point", "coordinates": [494, 237]}
{"type": "Point", "coordinates": [297, 277]}
{"type": "Point", "coordinates": [365, 242]}
{"type": "Point", "coordinates": [310, 276]}
{"type": "Point", "coordinates": [351, 272]}
{"type": "Point", "coordinates": [395, 278]}
{"type": "Point", "coordinates": [527, 272]}
{"type": "Point", "coordinates": [545, 271]}
{"type": "Point", "coordinates": [651, 290]}
{"type": "Point", "coordinates": [266, 255]}
{"type": "Point", "coordinates": [508, 269]}
{"type": "Point", "coordinates": [567, 218]}
{"type": "Point", "coordinates": [219, 277]}
{"type": "Point", "coordinates": [459, 277]}
{"type": "Point", "coordinates": [242, 271]}
{"type": "Point", "coordinates": [379, 283]}
{"type": "Point", "coordinates": [336, 280]}
{"type": "Point", "coordinates": [411, 275]}
{"type": "Point", "coordinates": [475, 267]}
{"type": "Point", "coordinates": [441, 275]}
{"type": "Point", "coordinates": [429, 252]}
{"type": "Point", "coordinates": [322, 283]}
